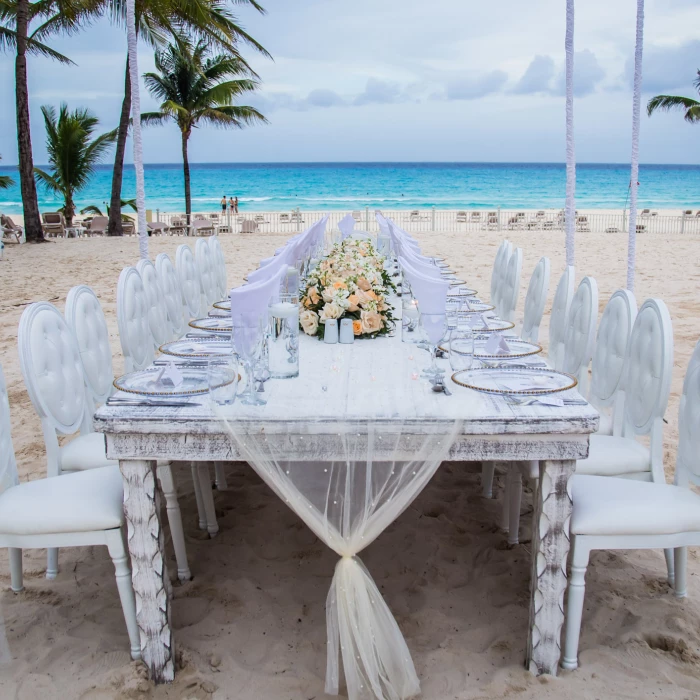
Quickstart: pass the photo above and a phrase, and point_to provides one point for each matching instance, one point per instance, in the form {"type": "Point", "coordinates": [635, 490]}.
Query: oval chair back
{"type": "Point", "coordinates": [207, 273]}
{"type": "Point", "coordinates": [155, 298]}
{"type": "Point", "coordinates": [52, 371]}
{"type": "Point", "coordinates": [189, 282]}
{"type": "Point", "coordinates": [8, 464]}
{"type": "Point", "coordinates": [132, 320]}
{"type": "Point", "coordinates": [86, 319]}
{"type": "Point", "coordinates": [510, 288]}
{"type": "Point", "coordinates": [172, 293]}
{"type": "Point", "coordinates": [499, 264]}
{"type": "Point", "coordinates": [687, 462]}
{"type": "Point", "coordinates": [579, 338]}
{"type": "Point", "coordinates": [220, 267]}
{"type": "Point", "coordinates": [647, 378]}
{"type": "Point", "coordinates": [607, 365]}
{"type": "Point", "coordinates": [535, 300]}
{"type": "Point", "coordinates": [557, 320]}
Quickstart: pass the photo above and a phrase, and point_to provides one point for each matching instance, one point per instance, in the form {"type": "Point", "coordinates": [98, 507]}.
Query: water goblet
{"type": "Point", "coordinates": [222, 378]}
{"type": "Point", "coordinates": [248, 339]}
{"type": "Point", "coordinates": [435, 327]}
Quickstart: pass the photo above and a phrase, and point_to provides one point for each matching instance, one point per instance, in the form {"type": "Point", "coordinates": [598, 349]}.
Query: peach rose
{"type": "Point", "coordinates": [330, 311]}
{"type": "Point", "coordinates": [357, 327]}
{"type": "Point", "coordinates": [371, 321]}
{"type": "Point", "coordinates": [353, 302]}
{"type": "Point", "coordinates": [309, 321]}
{"type": "Point", "coordinates": [313, 295]}
{"type": "Point", "coordinates": [363, 284]}
{"type": "Point", "coordinates": [327, 295]}
{"type": "Point", "coordinates": [339, 285]}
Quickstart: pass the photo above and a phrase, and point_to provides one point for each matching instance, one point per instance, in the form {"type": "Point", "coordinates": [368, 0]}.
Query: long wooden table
{"type": "Point", "coordinates": [370, 380]}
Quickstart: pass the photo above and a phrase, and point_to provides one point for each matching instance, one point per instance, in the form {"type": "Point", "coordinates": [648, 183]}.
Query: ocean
{"type": "Point", "coordinates": [319, 186]}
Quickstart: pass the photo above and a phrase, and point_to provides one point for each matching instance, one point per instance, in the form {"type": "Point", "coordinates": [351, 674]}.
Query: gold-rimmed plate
{"type": "Point", "coordinates": [530, 381]}
{"type": "Point", "coordinates": [461, 292]}
{"type": "Point", "coordinates": [224, 305]}
{"type": "Point", "coordinates": [198, 347]}
{"type": "Point", "coordinates": [218, 324]}
{"type": "Point", "coordinates": [518, 349]}
{"type": "Point", "coordinates": [491, 325]}
{"type": "Point", "coordinates": [144, 383]}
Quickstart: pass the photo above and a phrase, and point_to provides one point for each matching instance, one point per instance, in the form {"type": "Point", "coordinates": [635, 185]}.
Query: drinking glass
{"type": "Point", "coordinates": [222, 377]}
{"type": "Point", "coordinates": [248, 340]}
{"type": "Point", "coordinates": [435, 326]}
{"type": "Point", "coordinates": [461, 349]}
{"type": "Point", "coordinates": [410, 317]}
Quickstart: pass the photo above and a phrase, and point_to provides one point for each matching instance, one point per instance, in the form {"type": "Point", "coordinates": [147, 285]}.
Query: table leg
{"type": "Point", "coordinates": [550, 547]}
{"type": "Point", "coordinates": [149, 572]}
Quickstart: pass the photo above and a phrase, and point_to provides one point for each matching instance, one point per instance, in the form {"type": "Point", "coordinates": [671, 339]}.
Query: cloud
{"type": "Point", "coordinates": [379, 92]}
{"type": "Point", "coordinates": [667, 68]}
{"type": "Point", "coordinates": [473, 87]}
{"type": "Point", "coordinates": [588, 73]}
{"type": "Point", "coordinates": [537, 77]}
{"type": "Point", "coordinates": [324, 98]}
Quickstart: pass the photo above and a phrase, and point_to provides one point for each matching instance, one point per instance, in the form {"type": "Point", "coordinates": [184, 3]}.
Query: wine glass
{"type": "Point", "coordinates": [222, 377]}
{"type": "Point", "coordinates": [435, 326]}
{"type": "Point", "coordinates": [461, 349]}
{"type": "Point", "coordinates": [248, 341]}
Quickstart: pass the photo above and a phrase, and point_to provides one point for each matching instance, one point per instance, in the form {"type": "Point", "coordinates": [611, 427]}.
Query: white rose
{"type": "Point", "coordinates": [330, 311]}
{"type": "Point", "coordinates": [309, 321]}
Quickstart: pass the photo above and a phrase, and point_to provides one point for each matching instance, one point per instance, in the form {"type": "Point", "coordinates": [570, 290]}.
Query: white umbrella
{"type": "Point", "coordinates": [636, 107]}
{"type": "Point", "coordinates": [570, 208]}
{"type": "Point", "coordinates": [132, 43]}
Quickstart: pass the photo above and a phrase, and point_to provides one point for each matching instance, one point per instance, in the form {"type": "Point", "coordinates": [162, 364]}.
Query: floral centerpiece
{"type": "Point", "coordinates": [350, 282]}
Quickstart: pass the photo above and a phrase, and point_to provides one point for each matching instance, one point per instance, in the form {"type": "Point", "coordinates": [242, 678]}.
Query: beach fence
{"type": "Point", "coordinates": [451, 220]}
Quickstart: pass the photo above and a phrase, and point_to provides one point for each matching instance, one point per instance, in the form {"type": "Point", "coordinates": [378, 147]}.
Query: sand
{"type": "Point", "coordinates": [251, 625]}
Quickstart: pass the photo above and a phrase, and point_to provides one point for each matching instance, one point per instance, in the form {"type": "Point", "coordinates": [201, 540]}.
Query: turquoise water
{"type": "Point", "coordinates": [317, 186]}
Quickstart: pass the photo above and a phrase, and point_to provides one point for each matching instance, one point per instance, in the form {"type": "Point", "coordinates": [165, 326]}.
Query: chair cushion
{"type": "Point", "coordinates": [609, 506]}
{"type": "Point", "coordinates": [79, 502]}
{"type": "Point", "coordinates": [85, 452]}
{"type": "Point", "coordinates": [611, 456]}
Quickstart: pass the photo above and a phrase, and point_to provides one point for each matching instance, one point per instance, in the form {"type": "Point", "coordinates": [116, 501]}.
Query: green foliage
{"type": "Point", "coordinates": [666, 103]}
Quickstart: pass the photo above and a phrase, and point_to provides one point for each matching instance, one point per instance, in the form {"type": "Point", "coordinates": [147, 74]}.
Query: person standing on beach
{"type": "Point", "coordinates": [235, 205]}
{"type": "Point", "coordinates": [230, 206]}
{"type": "Point", "coordinates": [223, 204]}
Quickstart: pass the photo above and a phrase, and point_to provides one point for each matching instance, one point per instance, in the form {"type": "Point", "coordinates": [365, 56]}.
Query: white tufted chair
{"type": "Point", "coordinates": [499, 267]}
{"type": "Point", "coordinates": [206, 270]}
{"type": "Point", "coordinates": [510, 286]}
{"type": "Point", "coordinates": [189, 283]}
{"type": "Point", "coordinates": [133, 321]}
{"type": "Point", "coordinates": [86, 319]}
{"type": "Point", "coordinates": [172, 293]}
{"type": "Point", "coordinates": [218, 257]}
{"type": "Point", "coordinates": [609, 358]}
{"type": "Point", "coordinates": [558, 318]}
{"type": "Point", "coordinates": [155, 298]}
{"type": "Point", "coordinates": [77, 510]}
{"type": "Point", "coordinates": [579, 337]}
{"type": "Point", "coordinates": [612, 513]}
{"type": "Point", "coordinates": [535, 301]}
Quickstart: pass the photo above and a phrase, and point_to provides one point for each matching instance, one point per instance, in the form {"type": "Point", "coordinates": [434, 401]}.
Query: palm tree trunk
{"type": "Point", "coordinates": [114, 227]}
{"type": "Point", "coordinates": [69, 210]}
{"type": "Point", "coordinates": [186, 168]}
{"type": "Point", "coordinates": [30, 203]}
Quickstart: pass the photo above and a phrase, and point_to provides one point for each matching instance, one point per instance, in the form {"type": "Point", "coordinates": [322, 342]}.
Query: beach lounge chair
{"type": "Point", "coordinates": [11, 232]}
{"type": "Point", "coordinates": [296, 216]}
{"type": "Point", "coordinates": [414, 216]}
{"type": "Point", "coordinates": [688, 212]}
{"type": "Point", "coordinates": [178, 227]}
{"type": "Point", "coordinates": [201, 227]}
{"type": "Point", "coordinates": [461, 217]}
{"type": "Point", "coordinates": [357, 215]}
{"type": "Point", "coordinates": [129, 227]}
{"type": "Point", "coordinates": [475, 216]}
{"type": "Point", "coordinates": [98, 226]}
{"type": "Point", "coordinates": [641, 228]}
{"type": "Point", "coordinates": [645, 212]}
{"type": "Point", "coordinates": [198, 217]}
{"type": "Point", "coordinates": [53, 224]}
{"type": "Point", "coordinates": [248, 226]}
{"type": "Point", "coordinates": [284, 218]}
{"type": "Point", "coordinates": [157, 228]}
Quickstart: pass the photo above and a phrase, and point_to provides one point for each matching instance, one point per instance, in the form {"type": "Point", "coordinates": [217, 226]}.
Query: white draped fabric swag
{"type": "Point", "coordinates": [634, 174]}
{"type": "Point", "coordinates": [570, 206]}
{"type": "Point", "coordinates": [132, 44]}
{"type": "Point", "coordinates": [374, 469]}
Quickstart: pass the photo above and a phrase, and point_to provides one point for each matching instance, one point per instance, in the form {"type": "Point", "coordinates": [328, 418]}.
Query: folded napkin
{"type": "Point", "coordinates": [497, 345]}
{"type": "Point", "coordinates": [346, 225]}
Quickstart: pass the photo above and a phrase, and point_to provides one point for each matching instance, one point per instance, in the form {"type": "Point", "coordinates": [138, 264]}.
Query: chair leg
{"type": "Point", "coordinates": [680, 556]}
{"type": "Point", "coordinates": [487, 469]}
{"type": "Point", "coordinates": [16, 579]}
{"type": "Point", "coordinates": [669, 554]}
{"type": "Point", "coordinates": [208, 499]}
{"type": "Point", "coordinates": [167, 485]}
{"type": "Point", "coordinates": [505, 510]}
{"type": "Point", "coordinates": [574, 605]}
{"type": "Point", "coordinates": [120, 559]}
{"type": "Point", "coordinates": [198, 497]}
{"type": "Point", "coordinates": [51, 563]}
{"type": "Point", "coordinates": [515, 489]}
{"type": "Point", "coordinates": [220, 474]}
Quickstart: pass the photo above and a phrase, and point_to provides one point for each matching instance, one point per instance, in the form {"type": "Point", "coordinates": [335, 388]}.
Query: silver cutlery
{"type": "Point", "coordinates": [149, 402]}
{"type": "Point", "coordinates": [439, 387]}
{"type": "Point", "coordinates": [531, 401]}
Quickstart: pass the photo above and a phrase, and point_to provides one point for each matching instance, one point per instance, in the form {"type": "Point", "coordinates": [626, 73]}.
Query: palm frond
{"type": "Point", "coordinates": [47, 180]}
{"type": "Point", "coordinates": [666, 103]}
{"type": "Point", "coordinates": [5, 182]}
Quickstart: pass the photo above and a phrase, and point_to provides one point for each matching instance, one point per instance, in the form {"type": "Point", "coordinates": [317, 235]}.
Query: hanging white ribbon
{"type": "Point", "coordinates": [570, 207]}
{"type": "Point", "coordinates": [634, 174]}
{"type": "Point", "coordinates": [132, 44]}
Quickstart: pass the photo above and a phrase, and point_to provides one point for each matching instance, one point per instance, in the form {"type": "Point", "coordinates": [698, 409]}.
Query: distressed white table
{"type": "Point", "coordinates": [371, 380]}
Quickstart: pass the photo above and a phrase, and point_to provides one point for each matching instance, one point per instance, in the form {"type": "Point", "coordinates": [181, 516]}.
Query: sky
{"type": "Point", "coordinates": [408, 80]}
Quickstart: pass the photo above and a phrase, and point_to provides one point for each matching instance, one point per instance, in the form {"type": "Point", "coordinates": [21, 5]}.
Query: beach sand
{"type": "Point", "coordinates": [251, 624]}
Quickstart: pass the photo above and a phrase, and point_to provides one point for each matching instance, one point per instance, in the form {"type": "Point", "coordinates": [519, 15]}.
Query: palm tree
{"type": "Point", "coordinates": [16, 17]}
{"type": "Point", "coordinates": [666, 103]}
{"type": "Point", "coordinates": [156, 19]}
{"type": "Point", "coordinates": [5, 181]}
{"type": "Point", "coordinates": [194, 88]}
{"type": "Point", "coordinates": [73, 153]}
